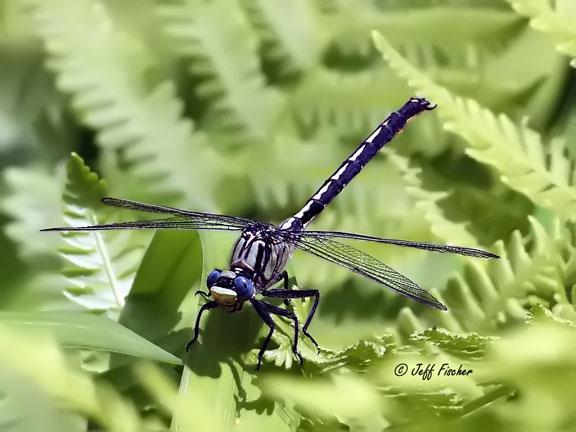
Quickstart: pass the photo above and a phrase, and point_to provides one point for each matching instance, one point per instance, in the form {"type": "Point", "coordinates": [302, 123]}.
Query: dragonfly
{"type": "Point", "coordinates": [256, 271]}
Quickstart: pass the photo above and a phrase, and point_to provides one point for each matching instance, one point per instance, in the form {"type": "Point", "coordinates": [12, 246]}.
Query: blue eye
{"type": "Point", "coordinates": [244, 287]}
{"type": "Point", "coordinates": [213, 277]}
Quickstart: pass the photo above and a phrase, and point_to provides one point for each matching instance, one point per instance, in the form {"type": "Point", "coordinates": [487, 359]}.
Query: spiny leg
{"type": "Point", "coordinates": [289, 294]}
{"type": "Point", "coordinates": [206, 306]}
{"type": "Point", "coordinates": [282, 276]}
{"type": "Point", "coordinates": [291, 315]}
{"type": "Point", "coordinates": [261, 310]}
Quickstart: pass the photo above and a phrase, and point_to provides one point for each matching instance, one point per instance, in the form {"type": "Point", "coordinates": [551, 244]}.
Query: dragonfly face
{"type": "Point", "coordinates": [230, 289]}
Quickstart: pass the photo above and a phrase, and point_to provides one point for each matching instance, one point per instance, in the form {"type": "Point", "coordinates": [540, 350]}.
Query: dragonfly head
{"type": "Point", "coordinates": [230, 288]}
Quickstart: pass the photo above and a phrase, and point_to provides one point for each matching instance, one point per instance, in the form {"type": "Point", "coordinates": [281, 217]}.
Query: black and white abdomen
{"type": "Point", "coordinates": [259, 253]}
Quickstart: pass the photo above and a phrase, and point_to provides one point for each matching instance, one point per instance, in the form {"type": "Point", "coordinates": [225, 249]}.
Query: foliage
{"type": "Point", "coordinates": [552, 19]}
{"type": "Point", "coordinates": [244, 107]}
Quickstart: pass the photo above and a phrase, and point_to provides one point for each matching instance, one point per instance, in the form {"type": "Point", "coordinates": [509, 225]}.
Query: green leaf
{"type": "Point", "coordinates": [427, 203]}
{"type": "Point", "coordinates": [100, 265]}
{"type": "Point", "coordinates": [161, 300]}
{"type": "Point", "coordinates": [24, 407]}
{"type": "Point", "coordinates": [345, 103]}
{"type": "Point", "coordinates": [541, 372]}
{"type": "Point", "coordinates": [32, 204]}
{"type": "Point", "coordinates": [86, 331]}
{"type": "Point", "coordinates": [557, 21]}
{"type": "Point", "coordinates": [494, 294]}
{"type": "Point", "coordinates": [127, 112]}
{"type": "Point", "coordinates": [291, 32]}
{"type": "Point", "coordinates": [465, 346]}
{"type": "Point", "coordinates": [449, 28]}
{"type": "Point", "coordinates": [347, 397]}
{"type": "Point", "coordinates": [216, 38]}
{"type": "Point", "coordinates": [56, 376]}
{"type": "Point", "coordinates": [517, 152]}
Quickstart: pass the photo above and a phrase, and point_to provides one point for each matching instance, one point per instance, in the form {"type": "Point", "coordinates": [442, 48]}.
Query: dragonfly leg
{"type": "Point", "coordinates": [206, 306]}
{"type": "Point", "coordinates": [283, 277]}
{"type": "Point", "coordinates": [290, 294]}
{"type": "Point", "coordinates": [204, 294]}
{"type": "Point", "coordinates": [261, 310]}
{"type": "Point", "coordinates": [290, 315]}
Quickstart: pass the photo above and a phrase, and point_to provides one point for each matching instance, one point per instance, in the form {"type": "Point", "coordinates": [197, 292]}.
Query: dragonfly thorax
{"type": "Point", "coordinates": [230, 288]}
{"type": "Point", "coordinates": [262, 254]}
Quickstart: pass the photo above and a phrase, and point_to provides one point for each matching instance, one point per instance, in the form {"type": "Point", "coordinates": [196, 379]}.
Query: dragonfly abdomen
{"type": "Point", "coordinates": [383, 134]}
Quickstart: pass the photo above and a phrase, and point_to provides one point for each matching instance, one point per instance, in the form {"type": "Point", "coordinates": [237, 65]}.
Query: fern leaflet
{"type": "Point", "coordinates": [427, 203]}
{"type": "Point", "coordinates": [100, 267]}
{"type": "Point", "coordinates": [221, 47]}
{"type": "Point", "coordinates": [104, 71]}
{"type": "Point", "coordinates": [488, 295]}
{"type": "Point", "coordinates": [560, 25]}
{"type": "Point", "coordinates": [517, 152]}
{"type": "Point", "coordinates": [291, 36]}
{"type": "Point", "coordinates": [32, 202]}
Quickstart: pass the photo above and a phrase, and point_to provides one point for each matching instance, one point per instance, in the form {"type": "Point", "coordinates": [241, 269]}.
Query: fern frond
{"type": "Point", "coordinates": [217, 40]}
{"type": "Point", "coordinates": [517, 152]}
{"type": "Point", "coordinates": [55, 376]}
{"type": "Point", "coordinates": [32, 204]}
{"type": "Point", "coordinates": [453, 32]}
{"type": "Point", "coordinates": [103, 70]}
{"type": "Point", "coordinates": [560, 25]}
{"type": "Point", "coordinates": [100, 265]}
{"type": "Point", "coordinates": [496, 293]}
{"type": "Point", "coordinates": [291, 35]}
{"type": "Point", "coordinates": [427, 204]}
{"type": "Point", "coordinates": [346, 103]}
{"type": "Point", "coordinates": [376, 357]}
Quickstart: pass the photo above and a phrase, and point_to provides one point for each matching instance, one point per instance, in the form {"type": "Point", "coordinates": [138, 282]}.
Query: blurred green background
{"type": "Point", "coordinates": [243, 107]}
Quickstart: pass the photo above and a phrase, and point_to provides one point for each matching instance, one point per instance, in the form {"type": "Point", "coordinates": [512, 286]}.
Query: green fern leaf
{"type": "Point", "coordinates": [427, 204]}
{"type": "Point", "coordinates": [560, 24]}
{"type": "Point", "coordinates": [26, 408]}
{"type": "Point", "coordinates": [489, 295]}
{"type": "Point", "coordinates": [517, 152]}
{"type": "Point", "coordinates": [347, 104]}
{"type": "Point", "coordinates": [220, 45]}
{"type": "Point", "coordinates": [32, 203]}
{"type": "Point", "coordinates": [356, 403]}
{"type": "Point", "coordinates": [105, 73]}
{"type": "Point", "coordinates": [57, 377]}
{"type": "Point", "coordinates": [291, 35]}
{"type": "Point", "coordinates": [462, 35]}
{"type": "Point", "coordinates": [464, 346]}
{"type": "Point", "coordinates": [375, 359]}
{"type": "Point", "coordinates": [100, 265]}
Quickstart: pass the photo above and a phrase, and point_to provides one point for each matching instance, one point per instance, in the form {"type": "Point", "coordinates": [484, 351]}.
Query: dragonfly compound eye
{"type": "Point", "coordinates": [244, 287]}
{"type": "Point", "coordinates": [213, 277]}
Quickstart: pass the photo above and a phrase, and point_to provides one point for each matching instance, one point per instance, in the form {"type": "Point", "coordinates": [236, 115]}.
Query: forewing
{"type": "Point", "coordinates": [186, 214]}
{"type": "Point", "coordinates": [182, 219]}
{"type": "Point", "coordinates": [365, 265]}
{"type": "Point", "coordinates": [459, 250]}
{"type": "Point", "coordinates": [171, 223]}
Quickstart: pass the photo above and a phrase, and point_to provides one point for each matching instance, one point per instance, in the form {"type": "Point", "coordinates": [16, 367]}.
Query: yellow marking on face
{"type": "Point", "coordinates": [224, 296]}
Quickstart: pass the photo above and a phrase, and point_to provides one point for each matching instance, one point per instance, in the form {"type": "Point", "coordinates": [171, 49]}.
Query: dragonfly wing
{"type": "Point", "coordinates": [182, 219]}
{"type": "Point", "coordinates": [171, 223]}
{"type": "Point", "coordinates": [187, 214]}
{"type": "Point", "coordinates": [365, 265]}
{"type": "Point", "coordinates": [459, 250]}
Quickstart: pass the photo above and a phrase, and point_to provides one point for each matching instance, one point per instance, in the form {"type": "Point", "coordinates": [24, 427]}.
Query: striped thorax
{"type": "Point", "coordinates": [262, 254]}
